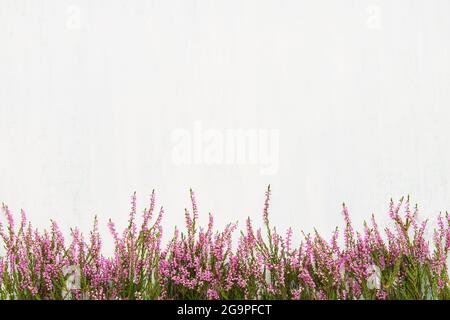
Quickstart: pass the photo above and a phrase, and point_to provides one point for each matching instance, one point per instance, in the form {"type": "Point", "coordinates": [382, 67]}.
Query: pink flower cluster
{"type": "Point", "coordinates": [201, 263]}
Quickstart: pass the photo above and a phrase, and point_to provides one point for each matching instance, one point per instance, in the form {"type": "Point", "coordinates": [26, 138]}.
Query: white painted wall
{"type": "Point", "coordinates": [92, 91]}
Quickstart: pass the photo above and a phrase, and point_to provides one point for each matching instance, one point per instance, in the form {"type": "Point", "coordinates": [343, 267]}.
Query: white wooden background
{"type": "Point", "coordinates": [91, 92]}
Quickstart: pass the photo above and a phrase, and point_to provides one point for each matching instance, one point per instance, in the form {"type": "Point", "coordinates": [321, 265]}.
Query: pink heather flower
{"type": "Point", "coordinates": [382, 295]}
{"type": "Point", "coordinates": [57, 234]}
{"type": "Point", "coordinates": [266, 207]}
{"type": "Point", "coordinates": [296, 294]}
{"type": "Point", "coordinates": [23, 219]}
{"type": "Point", "coordinates": [152, 205]}
{"type": "Point", "coordinates": [392, 210]}
{"type": "Point", "coordinates": [113, 231]}
{"type": "Point", "coordinates": [447, 233]}
{"type": "Point", "coordinates": [212, 294]}
{"type": "Point", "coordinates": [408, 215]}
{"type": "Point", "coordinates": [189, 222]}
{"type": "Point", "coordinates": [9, 217]}
{"type": "Point", "coordinates": [440, 283]}
{"type": "Point", "coordinates": [200, 264]}
{"type": "Point", "coordinates": [133, 216]}
{"type": "Point", "coordinates": [288, 239]}
{"type": "Point", "coordinates": [194, 205]}
{"type": "Point", "coordinates": [250, 236]}
{"type": "Point", "coordinates": [348, 232]}
{"type": "Point", "coordinates": [210, 225]}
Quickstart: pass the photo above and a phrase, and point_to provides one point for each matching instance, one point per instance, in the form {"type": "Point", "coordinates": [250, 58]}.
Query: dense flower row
{"type": "Point", "coordinates": [200, 263]}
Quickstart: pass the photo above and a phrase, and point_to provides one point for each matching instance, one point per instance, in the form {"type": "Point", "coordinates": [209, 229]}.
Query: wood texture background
{"type": "Point", "coordinates": [91, 91]}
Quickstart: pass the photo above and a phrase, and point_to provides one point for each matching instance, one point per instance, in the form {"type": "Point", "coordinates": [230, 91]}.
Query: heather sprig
{"type": "Point", "coordinates": [202, 262]}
